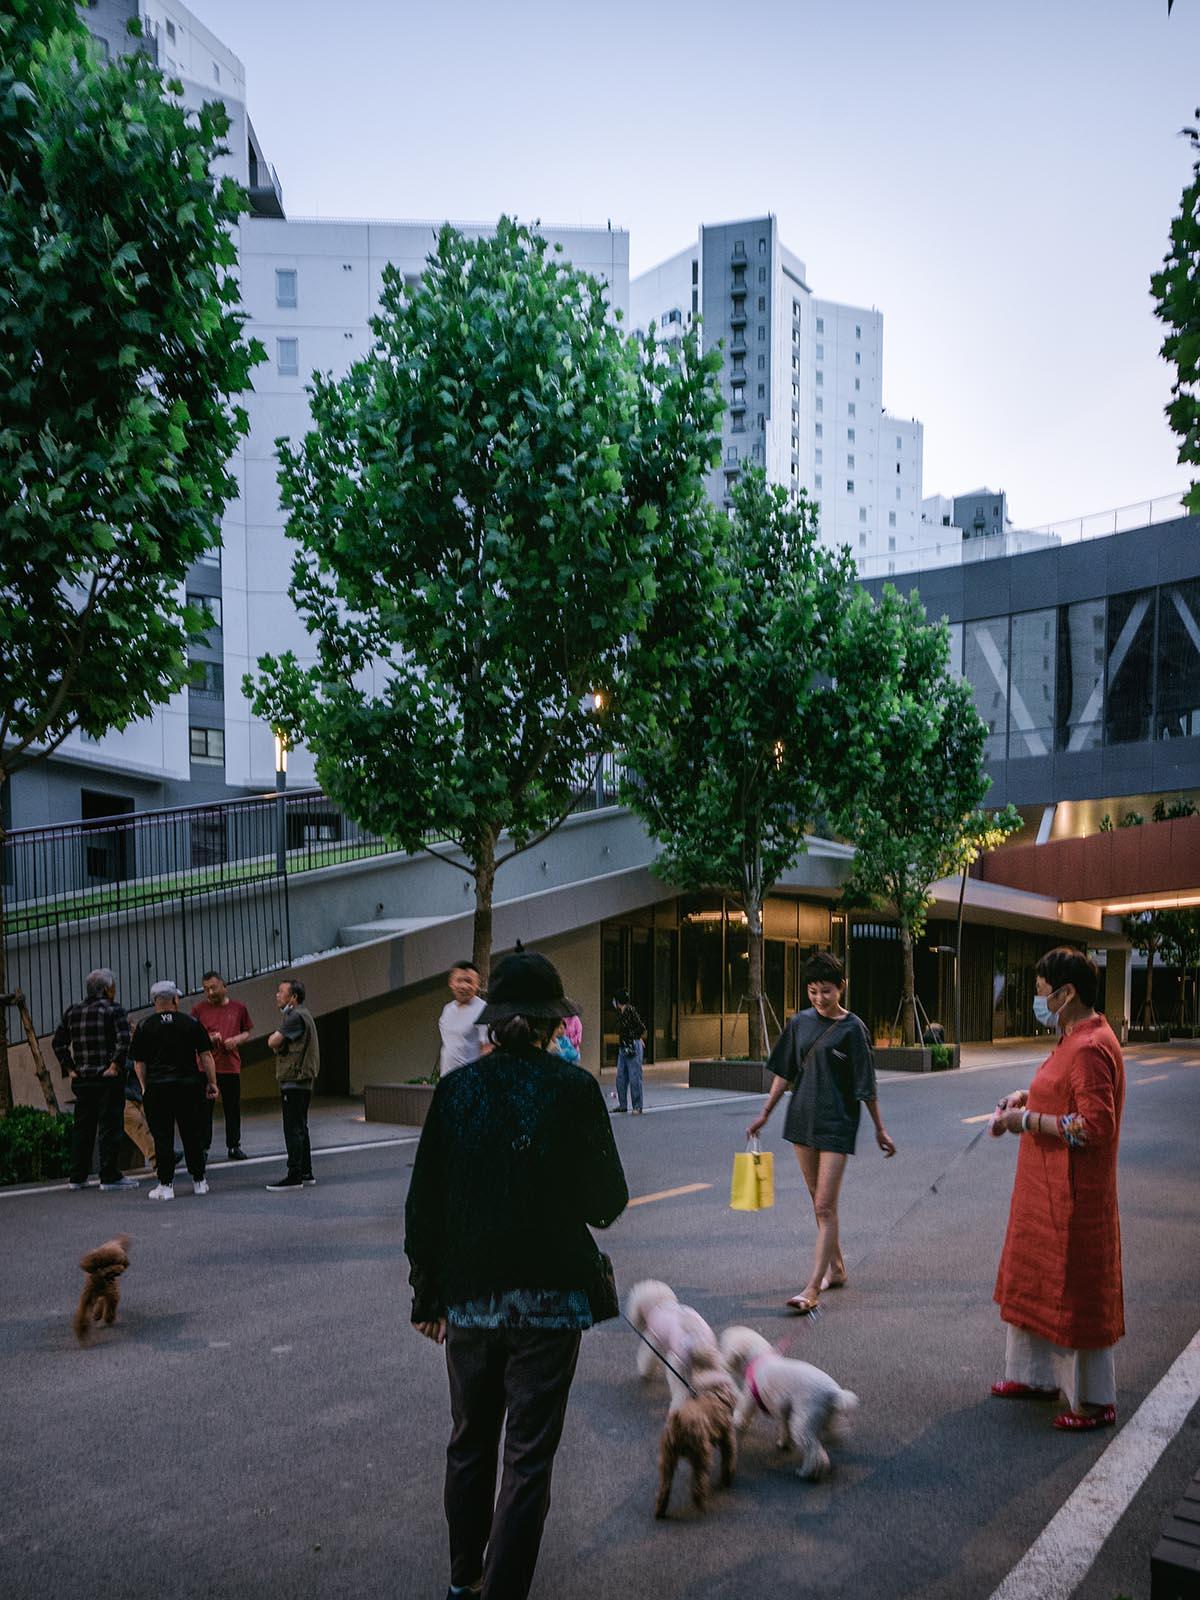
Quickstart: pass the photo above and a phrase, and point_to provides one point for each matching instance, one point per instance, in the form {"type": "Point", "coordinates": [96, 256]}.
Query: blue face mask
{"type": "Point", "coordinates": [1042, 1012]}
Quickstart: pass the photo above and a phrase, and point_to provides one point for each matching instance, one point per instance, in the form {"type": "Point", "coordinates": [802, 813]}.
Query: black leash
{"type": "Point", "coordinates": [660, 1356]}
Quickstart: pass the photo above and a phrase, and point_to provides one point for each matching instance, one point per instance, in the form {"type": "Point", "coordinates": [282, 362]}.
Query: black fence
{"type": "Point", "coordinates": [172, 893]}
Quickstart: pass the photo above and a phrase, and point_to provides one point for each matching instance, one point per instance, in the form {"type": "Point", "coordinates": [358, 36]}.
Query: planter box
{"type": "Point", "coordinates": [751, 1077]}
{"type": "Point", "coordinates": [910, 1058]}
{"type": "Point", "coordinates": [407, 1103]}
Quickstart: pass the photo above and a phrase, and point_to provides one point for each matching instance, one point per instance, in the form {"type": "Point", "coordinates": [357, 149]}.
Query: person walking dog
{"type": "Point", "coordinates": [516, 1160]}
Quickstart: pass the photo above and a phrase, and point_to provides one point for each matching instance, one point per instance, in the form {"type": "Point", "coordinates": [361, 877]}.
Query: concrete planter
{"type": "Point", "coordinates": [910, 1058]}
{"type": "Point", "coordinates": [749, 1076]}
{"type": "Point", "coordinates": [407, 1103]}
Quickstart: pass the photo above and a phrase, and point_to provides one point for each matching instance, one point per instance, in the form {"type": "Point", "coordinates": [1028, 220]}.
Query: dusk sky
{"type": "Point", "coordinates": [998, 180]}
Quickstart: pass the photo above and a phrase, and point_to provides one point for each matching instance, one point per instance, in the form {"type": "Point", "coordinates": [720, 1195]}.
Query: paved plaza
{"type": "Point", "coordinates": [263, 1422]}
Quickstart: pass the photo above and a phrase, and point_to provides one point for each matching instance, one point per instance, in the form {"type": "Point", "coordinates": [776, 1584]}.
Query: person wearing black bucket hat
{"type": "Point", "coordinates": [516, 1161]}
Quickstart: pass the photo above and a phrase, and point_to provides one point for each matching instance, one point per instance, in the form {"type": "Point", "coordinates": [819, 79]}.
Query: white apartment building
{"type": "Point", "coordinates": [802, 380]}
{"type": "Point", "coordinates": [310, 288]}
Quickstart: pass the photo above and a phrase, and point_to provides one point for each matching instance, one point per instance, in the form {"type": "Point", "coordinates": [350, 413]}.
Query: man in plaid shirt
{"type": "Point", "coordinates": [91, 1044]}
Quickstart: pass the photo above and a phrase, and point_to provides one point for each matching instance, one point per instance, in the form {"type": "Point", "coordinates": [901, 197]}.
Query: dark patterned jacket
{"type": "Point", "coordinates": [516, 1160]}
{"type": "Point", "coordinates": [92, 1035]}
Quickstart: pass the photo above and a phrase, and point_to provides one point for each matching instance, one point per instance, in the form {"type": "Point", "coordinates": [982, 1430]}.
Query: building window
{"type": "Point", "coordinates": [207, 678]}
{"type": "Point", "coordinates": [695, 301]}
{"type": "Point", "coordinates": [898, 496]}
{"type": "Point", "coordinates": [899, 444]}
{"type": "Point", "coordinates": [762, 391]}
{"type": "Point", "coordinates": [739, 248]}
{"type": "Point", "coordinates": [850, 463]}
{"type": "Point", "coordinates": [796, 309]}
{"type": "Point", "coordinates": [1130, 652]}
{"type": "Point", "coordinates": [891, 519]}
{"type": "Point", "coordinates": [285, 286]}
{"type": "Point", "coordinates": [820, 379]}
{"type": "Point", "coordinates": [849, 485]}
{"type": "Point", "coordinates": [891, 543]}
{"type": "Point", "coordinates": [762, 302]}
{"type": "Point", "coordinates": [207, 747]}
{"type": "Point", "coordinates": [731, 455]}
{"type": "Point", "coordinates": [850, 409]}
{"type": "Point", "coordinates": [762, 247]}
{"type": "Point", "coordinates": [897, 469]}
{"type": "Point", "coordinates": [820, 352]}
{"type": "Point", "coordinates": [816, 480]}
{"type": "Point", "coordinates": [819, 456]}
{"type": "Point", "coordinates": [1178, 660]}
{"type": "Point", "coordinates": [216, 73]}
{"type": "Point", "coordinates": [210, 604]}
{"type": "Point", "coordinates": [819, 404]}
{"type": "Point", "coordinates": [857, 385]}
{"type": "Point", "coordinates": [1031, 690]}
{"type": "Point", "coordinates": [849, 435]}
{"type": "Point", "coordinates": [857, 333]}
{"type": "Point", "coordinates": [695, 272]}
{"type": "Point", "coordinates": [762, 333]}
{"type": "Point", "coordinates": [858, 358]}
{"type": "Point", "coordinates": [287, 358]}
{"type": "Point", "coordinates": [170, 30]}
{"type": "Point", "coordinates": [762, 422]}
{"type": "Point", "coordinates": [862, 541]}
{"type": "Point", "coordinates": [862, 514]}
{"type": "Point", "coordinates": [820, 324]}
{"type": "Point", "coordinates": [762, 363]}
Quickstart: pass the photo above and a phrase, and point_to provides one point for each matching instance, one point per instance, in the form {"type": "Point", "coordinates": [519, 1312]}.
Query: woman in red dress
{"type": "Point", "coordinates": [1059, 1284]}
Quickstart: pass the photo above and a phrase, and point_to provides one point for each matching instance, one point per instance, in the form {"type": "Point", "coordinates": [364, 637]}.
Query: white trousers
{"type": "Point", "coordinates": [1085, 1377]}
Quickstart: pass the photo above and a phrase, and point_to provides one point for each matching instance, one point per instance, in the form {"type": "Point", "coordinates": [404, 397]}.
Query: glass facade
{"type": "Point", "coordinates": [1178, 659]}
{"type": "Point", "coordinates": [1080, 688]}
{"type": "Point", "coordinates": [1128, 701]}
{"type": "Point", "coordinates": [1031, 690]}
{"type": "Point", "coordinates": [985, 666]}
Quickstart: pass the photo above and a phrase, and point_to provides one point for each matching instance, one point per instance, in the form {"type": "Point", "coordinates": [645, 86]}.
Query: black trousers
{"type": "Point", "coordinates": [182, 1105]}
{"type": "Point", "coordinates": [517, 1379]}
{"type": "Point", "coordinates": [230, 1085]}
{"type": "Point", "coordinates": [99, 1103]}
{"type": "Point", "coordinates": [295, 1129]}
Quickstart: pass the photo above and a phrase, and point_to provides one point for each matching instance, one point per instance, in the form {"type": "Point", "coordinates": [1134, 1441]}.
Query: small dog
{"type": "Point", "coordinates": [676, 1332]}
{"type": "Point", "coordinates": [806, 1402]}
{"type": "Point", "coordinates": [98, 1302]}
{"type": "Point", "coordinates": [703, 1420]}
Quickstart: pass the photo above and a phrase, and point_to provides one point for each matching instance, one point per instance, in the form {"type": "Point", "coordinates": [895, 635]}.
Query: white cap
{"type": "Point", "coordinates": [166, 990]}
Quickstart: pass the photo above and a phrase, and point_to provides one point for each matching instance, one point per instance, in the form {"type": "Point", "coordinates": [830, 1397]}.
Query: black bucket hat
{"type": "Point", "coordinates": [525, 984]}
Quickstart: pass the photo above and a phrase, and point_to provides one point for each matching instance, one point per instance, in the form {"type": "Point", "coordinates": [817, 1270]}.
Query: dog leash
{"type": "Point", "coordinates": [660, 1356]}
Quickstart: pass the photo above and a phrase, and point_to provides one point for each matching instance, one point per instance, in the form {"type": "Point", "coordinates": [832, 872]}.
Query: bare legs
{"type": "Point", "coordinates": [823, 1171]}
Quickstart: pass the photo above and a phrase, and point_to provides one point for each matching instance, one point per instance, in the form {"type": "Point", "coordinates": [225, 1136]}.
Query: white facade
{"type": "Point", "coordinates": [803, 382]}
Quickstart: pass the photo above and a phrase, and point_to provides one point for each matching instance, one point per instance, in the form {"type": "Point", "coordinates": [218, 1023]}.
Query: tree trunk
{"type": "Point", "coordinates": [755, 1010]}
{"type": "Point", "coordinates": [35, 1050]}
{"type": "Point", "coordinates": [6, 1098]}
{"type": "Point", "coordinates": [485, 883]}
{"type": "Point", "coordinates": [1148, 1018]}
{"type": "Point", "coordinates": [908, 1005]}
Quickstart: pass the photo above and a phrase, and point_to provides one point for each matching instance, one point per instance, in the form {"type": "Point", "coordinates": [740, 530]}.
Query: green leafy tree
{"type": "Point", "coordinates": [490, 509]}
{"type": "Point", "coordinates": [905, 779]}
{"type": "Point", "coordinates": [726, 768]}
{"type": "Point", "coordinates": [1180, 933]}
{"type": "Point", "coordinates": [1145, 934]}
{"type": "Point", "coordinates": [120, 345]}
{"type": "Point", "coordinates": [1176, 292]}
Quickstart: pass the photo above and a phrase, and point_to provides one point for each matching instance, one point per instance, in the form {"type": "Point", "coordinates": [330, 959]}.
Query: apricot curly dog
{"type": "Point", "coordinates": [703, 1422]}
{"type": "Point", "coordinates": [98, 1302]}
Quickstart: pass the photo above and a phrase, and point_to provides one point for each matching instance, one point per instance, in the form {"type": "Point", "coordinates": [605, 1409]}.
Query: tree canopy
{"type": "Point", "coordinates": [491, 509]}
{"type": "Point", "coordinates": [120, 347]}
{"type": "Point", "coordinates": [1176, 291]}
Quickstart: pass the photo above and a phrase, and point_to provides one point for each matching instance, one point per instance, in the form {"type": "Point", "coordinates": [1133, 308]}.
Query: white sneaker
{"type": "Point", "coordinates": [200, 1186]}
{"type": "Point", "coordinates": [162, 1191]}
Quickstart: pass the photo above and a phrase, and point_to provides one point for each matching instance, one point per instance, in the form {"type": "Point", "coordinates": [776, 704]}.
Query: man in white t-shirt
{"type": "Point", "coordinates": [463, 1039]}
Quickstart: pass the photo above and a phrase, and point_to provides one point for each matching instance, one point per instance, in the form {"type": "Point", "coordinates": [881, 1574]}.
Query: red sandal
{"type": "Point", "coordinates": [1009, 1390]}
{"type": "Point", "coordinates": [1084, 1422]}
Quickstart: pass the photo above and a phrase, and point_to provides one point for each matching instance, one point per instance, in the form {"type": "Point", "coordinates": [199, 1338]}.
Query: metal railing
{"type": "Point", "coordinates": [171, 893]}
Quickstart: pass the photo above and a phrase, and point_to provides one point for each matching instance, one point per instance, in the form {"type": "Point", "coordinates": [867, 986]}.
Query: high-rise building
{"type": "Point", "coordinates": [310, 288]}
{"type": "Point", "coordinates": [802, 382]}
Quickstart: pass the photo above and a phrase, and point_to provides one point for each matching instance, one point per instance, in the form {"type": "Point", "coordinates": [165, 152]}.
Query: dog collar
{"type": "Point", "coordinates": [753, 1387]}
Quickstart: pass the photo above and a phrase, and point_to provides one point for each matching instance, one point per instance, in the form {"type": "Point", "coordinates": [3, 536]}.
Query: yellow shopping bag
{"type": "Point", "coordinates": [753, 1187]}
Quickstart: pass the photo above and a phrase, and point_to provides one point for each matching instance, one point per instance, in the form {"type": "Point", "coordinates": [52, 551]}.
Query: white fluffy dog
{"type": "Point", "coordinates": [675, 1331]}
{"type": "Point", "coordinates": [806, 1402]}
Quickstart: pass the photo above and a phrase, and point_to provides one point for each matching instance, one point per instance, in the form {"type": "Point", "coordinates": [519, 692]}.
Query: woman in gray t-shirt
{"type": "Point", "coordinates": [824, 1056]}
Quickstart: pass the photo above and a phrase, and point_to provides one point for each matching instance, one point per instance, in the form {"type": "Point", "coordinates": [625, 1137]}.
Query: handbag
{"type": "Point", "coordinates": [603, 1300]}
{"type": "Point", "coordinates": [753, 1186]}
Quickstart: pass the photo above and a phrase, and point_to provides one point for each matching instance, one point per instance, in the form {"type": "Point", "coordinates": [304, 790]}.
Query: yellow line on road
{"type": "Point", "coordinates": [1161, 1078]}
{"type": "Point", "coordinates": [669, 1194]}
{"type": "Point", "coordinates": [984, 1118]}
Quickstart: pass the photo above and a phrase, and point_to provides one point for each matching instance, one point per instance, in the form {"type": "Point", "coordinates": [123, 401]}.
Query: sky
{"type": "Point", "coordinates": [998, 179]}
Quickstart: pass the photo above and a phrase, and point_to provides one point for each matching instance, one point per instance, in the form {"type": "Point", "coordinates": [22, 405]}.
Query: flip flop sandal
{"type": "Point", "coordinates": [803, 1307]}
{"type": "Point", "coordinates": [834, 1283]}
{"type": "Point", "coordinates": [1084, 1422]}
{"type": "Point", "coordinates": [1009, 1390]}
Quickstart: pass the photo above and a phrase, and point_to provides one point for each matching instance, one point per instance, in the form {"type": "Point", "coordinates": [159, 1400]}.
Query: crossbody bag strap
{"type": "Point", "coordinates": [813, 1046]}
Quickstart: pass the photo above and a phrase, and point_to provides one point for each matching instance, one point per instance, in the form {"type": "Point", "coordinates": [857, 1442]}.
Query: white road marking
{"type": "Point", "coordinates": [1058, 1560]}
{"type": "Point", "coordinates": [1160, 1077]}
{"type": "Point", "coordinates": [219, 1344]}
{"type": "Point", "coordinates": [281, 1349]}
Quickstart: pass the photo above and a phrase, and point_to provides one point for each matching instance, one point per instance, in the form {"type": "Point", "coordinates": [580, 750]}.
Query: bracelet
{"type": "Point", "coordinates": [1025, 1122]}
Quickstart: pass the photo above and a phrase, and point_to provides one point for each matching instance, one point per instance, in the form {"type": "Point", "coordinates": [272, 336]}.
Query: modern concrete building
{"type": "Point", "coordinates": [803, 384]}
{"type": "Point", "coordinates": [310, 288]}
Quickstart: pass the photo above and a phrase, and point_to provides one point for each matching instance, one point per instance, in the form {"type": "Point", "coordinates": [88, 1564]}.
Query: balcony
{"type": "Point", "coordinates": [265, 190]}
{"type": "Point", "coordinates": [737, 317]}
{"type": "Point", "coordinates": [738, 404]}
{"type": "Point", "coordinates": [737, 345]}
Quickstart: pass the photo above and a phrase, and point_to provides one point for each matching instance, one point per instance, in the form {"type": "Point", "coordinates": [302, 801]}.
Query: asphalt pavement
{"type": "Point", "coordinates": [263, 1422]}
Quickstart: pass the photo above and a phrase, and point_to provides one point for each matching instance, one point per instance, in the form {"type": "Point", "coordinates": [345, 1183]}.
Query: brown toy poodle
{"type": "Point", "coordinates": [98, 1302]}
{"type": "Point", "coordinates": [702, 1422]}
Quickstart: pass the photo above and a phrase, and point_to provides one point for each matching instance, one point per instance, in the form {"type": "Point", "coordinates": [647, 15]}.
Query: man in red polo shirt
{"type": "Point", "coordinates": [228, 1025]}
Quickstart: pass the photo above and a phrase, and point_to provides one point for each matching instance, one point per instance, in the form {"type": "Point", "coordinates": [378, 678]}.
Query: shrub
{"type": "Point", "coordinates": [941, 1057]}
{"type": "Point", "coordinates": [34, 1145]}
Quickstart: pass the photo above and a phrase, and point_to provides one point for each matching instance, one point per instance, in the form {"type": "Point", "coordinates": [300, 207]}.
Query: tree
{"type": "Point", "coordinates": [905, 778]}
{"type": "Point", "coordinates": [1180, 932]}
{"type": "Point", "coordinates": [1176, 292]}
{"type": "Point", "coordinates": [490, 508]}
{"type": "Point", "coordinates": [1145, 934]}
{"type": "Point", "coordinates": [725, 767]}
{"type": "Point", "coordinates": [119, 348]}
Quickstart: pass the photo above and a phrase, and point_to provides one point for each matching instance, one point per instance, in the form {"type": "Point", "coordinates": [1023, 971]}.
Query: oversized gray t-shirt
{"type": "Point", "coordinates": [839, 1074]}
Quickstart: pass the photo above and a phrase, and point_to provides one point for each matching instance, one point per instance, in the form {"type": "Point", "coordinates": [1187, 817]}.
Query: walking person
{"type": "Point", "coordinates": [136, 1127]}
{"type": "Point", "coordinates": [166, 1048]}
{"type": "Point", "coordinates": [631, 1035]}
{"type": "Point", "coordinates": [228, 1025]}
{"type": "Point", "coordinates": [462, 1038]}
{"type": "Point", "coordinates": [824, 1056]}
{"type": "Point", "coordinates": [91, 1043]}
{"type": "Point", "coordinates": [297, 1063]}
{"type": "Point", "coordinates": [1059, 1286]}
{"type": "Point", "coordinates": [516, 1161]}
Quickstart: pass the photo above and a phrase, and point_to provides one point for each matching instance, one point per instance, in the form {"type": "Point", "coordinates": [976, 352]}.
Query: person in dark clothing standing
{"type": "Point", "coordinates": [297, 1063]}
{"type": "Point", "coordinates": [516, 1160]}
{"type": "Point", "coordinates": [631, 1035]}
{"type": "Point", "coordinates": [165, 1050]}
{"type": "Point", "coordinates": [92, 1043]}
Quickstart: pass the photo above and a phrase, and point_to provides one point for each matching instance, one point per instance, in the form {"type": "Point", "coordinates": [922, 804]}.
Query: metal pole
{"type": "Point", "coordinates": [280, 823]}
{"type": "Point", "coordinates": [962, 889]}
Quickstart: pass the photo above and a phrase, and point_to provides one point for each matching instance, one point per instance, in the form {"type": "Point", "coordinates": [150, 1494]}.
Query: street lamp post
{"type": "Point", "coordinates": [281, 756]}
{"type": "Point", "coordinates": [955, 950]}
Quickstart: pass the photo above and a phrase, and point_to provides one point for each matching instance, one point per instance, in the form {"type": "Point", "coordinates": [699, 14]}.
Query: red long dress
{"type": "Point", "coordinates": [1060, 1271]}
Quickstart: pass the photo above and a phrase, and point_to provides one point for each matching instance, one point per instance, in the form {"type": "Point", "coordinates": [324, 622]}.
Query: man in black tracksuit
{"type": "Point", "coordinates": [165, 1050]}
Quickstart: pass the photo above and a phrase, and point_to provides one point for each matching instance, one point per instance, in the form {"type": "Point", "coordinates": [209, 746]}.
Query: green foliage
{"type": "Point", "coordinates": [1131, 819]}
{"type": "Point", "coordinates": [1106, 824]}
{"type": "Point", "coordinates": [727, 768]}
{"type": "Point", "coordinates": [490, 510]}
{"type": "Point", "coordinates": [1171, 810]}
{"type": "Point", "coordinates": [905, 778]}
{"type": "Point", "coordinates": [34, 1145]}
{"type": "Point", "coordinates": [1176, 292]}
{"type": "Point", "coordinates": [941, 1057]}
